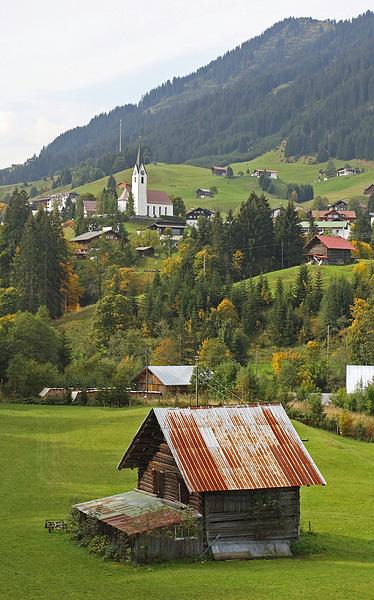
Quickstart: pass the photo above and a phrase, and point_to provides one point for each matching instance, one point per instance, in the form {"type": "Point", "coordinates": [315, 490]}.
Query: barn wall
{"type": "Point", "coordinates": [272, 514]}
{"type": "Point", "coordinates": [174, 487]}
{"type": "Point", "coordinates": [154, 384]}
{"type": "Point", "coordinates": [162, 546]}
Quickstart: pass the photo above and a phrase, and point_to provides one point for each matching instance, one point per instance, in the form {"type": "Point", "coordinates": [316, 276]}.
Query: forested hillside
{"type": "Point", "coordinates": [303, 80]}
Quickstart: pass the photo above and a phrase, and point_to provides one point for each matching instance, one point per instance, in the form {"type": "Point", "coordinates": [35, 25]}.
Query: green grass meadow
{"type": "Point", "coordinates": [52, 455]}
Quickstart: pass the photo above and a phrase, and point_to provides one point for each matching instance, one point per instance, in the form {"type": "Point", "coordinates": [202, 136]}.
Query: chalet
{"type": "Point", "coordinates": [369, 190]}
{"type": "Point", "coordinates": [343, 171]}
{"type": "Point", "coordinates": [219, 171]}
{"type": "Point", "coordinates": [339, 228]}
{"type": "Point", "coordinates": [163, 379]}
{"type": "Point", "coordinates": [358, 377]}
{"type": "Point", "coordinates": [269, 172]}
{"type": "Point", "coordinates": [275, 212]}
{"type": "Point", "coordinates": [178, 227]}
{"type": "Point", "coordinates": [333, 215]}
{"type": "Point", "coordinates": [203, 193]}
{"type": "Point", "coordinates": [147, 203]}
{"type": "Point", "coordinates": [84, 242]}
{"type": "Point", "coordinates": [339, 205]}
{"type": "Point", "coordinates": [192, 216]}
{"type": "Point", "coordinates": [145, 250]}
{"type": "Point", "coordinates": [223, 481]}
{"type": "Point", "coordinates": [89, 207]}
{"type": "Point", "coordinates": [329, 250]}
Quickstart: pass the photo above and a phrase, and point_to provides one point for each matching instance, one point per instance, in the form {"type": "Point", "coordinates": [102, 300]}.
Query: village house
{"type": "Point", "coordinates": [163, 379]}
{"type": "Point", "coordinates": [269, 172]}
{"type": "Point", "coordinates": [369, 190]}
{"type": "Point", "coordinates": [203, 193]}
{"type": "Point", "coordinates": [343, 171]}
{"type": "Point", "coordinates": [176, 226]}
{"type": "Point", "coordinates": [192, 216]}
{"type": "Point", "coordinates": [84, 242]}
{"type": "Point", "coordinates": [332, 215]}
{"type": "Point", "coordinates": [219, 171]}
{"type": "Point", "coordinates": [222, 481]}
{"type": "Point", "coordinates": [339, 205]}
{"type": "Point", "coordinates": [147, 203]}
{"type": "Point", "coordinates": [145, 251]}
{"type": "Point", "coordinates": [89, 208]}
{"type": "Point", "coordinates": [51, 201]}
{"type": "Point", "coordinates": [339, 228]}
{"type": "Point", "coordinates": [327, 249]}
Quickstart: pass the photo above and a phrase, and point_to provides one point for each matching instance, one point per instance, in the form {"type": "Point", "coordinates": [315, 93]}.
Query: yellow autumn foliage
{"type": "Point", "coordinates": [279, 357]}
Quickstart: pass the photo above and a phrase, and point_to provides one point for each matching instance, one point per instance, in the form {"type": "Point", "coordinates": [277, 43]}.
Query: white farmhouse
{"type": "Point", "coordinates": [147, 203]}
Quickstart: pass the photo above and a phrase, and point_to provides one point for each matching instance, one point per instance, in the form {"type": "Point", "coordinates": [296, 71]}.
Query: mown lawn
{"type": "Point", "coordinates": [51, 455]}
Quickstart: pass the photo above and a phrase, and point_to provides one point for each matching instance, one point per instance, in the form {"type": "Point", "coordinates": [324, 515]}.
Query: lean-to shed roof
{"type": "Point", "coordinates": [232, 448]}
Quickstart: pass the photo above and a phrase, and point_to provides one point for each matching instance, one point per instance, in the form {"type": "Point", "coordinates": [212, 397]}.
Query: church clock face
{"type": "Point", "coordinates": [142, 172]}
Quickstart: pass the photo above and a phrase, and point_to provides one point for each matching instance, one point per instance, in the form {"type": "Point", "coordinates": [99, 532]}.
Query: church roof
{"type": "Point", "coordinates": [158, 197]}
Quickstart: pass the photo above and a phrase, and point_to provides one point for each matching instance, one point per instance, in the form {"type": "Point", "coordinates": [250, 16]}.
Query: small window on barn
{"type": "Point", "coordinates": [185, 533]}
{"type": "Point", "coordinates": [159, 483]}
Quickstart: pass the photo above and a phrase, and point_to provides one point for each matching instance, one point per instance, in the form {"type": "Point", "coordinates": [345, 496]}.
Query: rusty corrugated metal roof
{"type": "Point", "coordinates": [134, 512]}
{"type": "Point", "coordinates": [237, 448]}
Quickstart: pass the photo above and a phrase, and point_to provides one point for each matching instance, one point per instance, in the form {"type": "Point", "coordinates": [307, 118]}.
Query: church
{"type": "Point", "coordinates": [147, 203]}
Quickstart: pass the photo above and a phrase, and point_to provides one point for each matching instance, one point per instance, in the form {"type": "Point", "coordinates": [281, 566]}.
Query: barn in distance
{"type": "Point", "coordinates": [220, 481]}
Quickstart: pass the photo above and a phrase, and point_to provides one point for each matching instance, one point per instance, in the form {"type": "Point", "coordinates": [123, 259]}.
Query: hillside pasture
{"type": "Point", "coordinates": [51, 456]}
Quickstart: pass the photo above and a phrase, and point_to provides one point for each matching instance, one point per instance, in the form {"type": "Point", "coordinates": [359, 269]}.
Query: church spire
{"type": "Point", "coordinates": [139, 156]}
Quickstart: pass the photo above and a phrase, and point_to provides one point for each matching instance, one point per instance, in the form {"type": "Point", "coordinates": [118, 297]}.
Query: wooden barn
{"type": "Point", "coordinates": [163, 379]}
{"type": "Point", "coordinates": [330, 250]}
{"type": "Point", "coordinates": [228, 479]}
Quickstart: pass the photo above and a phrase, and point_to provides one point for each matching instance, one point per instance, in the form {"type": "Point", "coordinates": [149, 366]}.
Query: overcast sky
{"type": "Point", "coordinates": [63, 62]}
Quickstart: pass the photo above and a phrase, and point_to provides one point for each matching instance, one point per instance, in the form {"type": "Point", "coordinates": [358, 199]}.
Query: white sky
{"type": "Point", "coordinates": [63, 62]}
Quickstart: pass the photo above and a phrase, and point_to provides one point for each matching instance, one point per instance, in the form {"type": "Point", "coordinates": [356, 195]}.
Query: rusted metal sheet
{"type": "Point", "coordinates": [134, 512]}
{"type": "Point", "coordinates": [237, 448]}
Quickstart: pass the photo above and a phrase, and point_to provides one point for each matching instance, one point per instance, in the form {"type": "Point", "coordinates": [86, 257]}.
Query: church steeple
{"type": "Point", "coordinates": [139, 184]}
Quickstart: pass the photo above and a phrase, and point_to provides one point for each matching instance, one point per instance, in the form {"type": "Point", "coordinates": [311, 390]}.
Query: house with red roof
{"type": "Point", "coordinates": [328, 249]}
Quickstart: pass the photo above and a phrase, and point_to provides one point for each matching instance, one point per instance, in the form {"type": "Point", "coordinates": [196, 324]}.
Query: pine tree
{"type": "Point", "coordinates": [112, 186]}
{"type": "Point", "coordinates": [289, 236]}
{"type": "Point", "coordinates": [253, 234]}
{"type": "Point", "coordinates": [303, 285]}
{"type": "Point", "coordinates": [317, 293]}
{"type": "Point", "coordinates": [15, 220]}
{"type": "Point", "coordinates": [130, 206]}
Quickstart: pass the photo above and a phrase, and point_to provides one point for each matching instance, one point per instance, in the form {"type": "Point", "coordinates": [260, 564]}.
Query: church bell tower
{"type": "Point", "coordinates": [139, 184]}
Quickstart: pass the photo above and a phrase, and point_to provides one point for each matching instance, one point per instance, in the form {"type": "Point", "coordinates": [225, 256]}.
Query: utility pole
{"type": "Point", "coordinates": [120, 136]}
{"type": "Point", "coordinates": [282, 253]}
{"type": "Point", "coordinates": [146, 372]}
{"type": "Point", "coordinates": [197, 384]}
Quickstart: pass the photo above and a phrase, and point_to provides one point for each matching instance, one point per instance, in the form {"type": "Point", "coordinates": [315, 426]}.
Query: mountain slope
{"type": "Point", "coordinates": [308, 81]}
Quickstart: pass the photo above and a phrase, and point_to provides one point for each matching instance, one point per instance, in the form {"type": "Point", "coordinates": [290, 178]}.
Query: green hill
{"type": "Point", "coordinates": [183, 180]}
{"type": "Point", "coordinates": [288, 275]}
{"type": "Point", "coordinates": [305, 81]}
{"type": "Point", "coordinates": [51, 456]}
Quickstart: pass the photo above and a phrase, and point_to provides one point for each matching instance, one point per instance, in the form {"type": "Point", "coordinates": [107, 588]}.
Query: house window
{"type": "Point", "coordinates": [185, 533]}
{"type": "Point", "coordinates": [159, 483]}
{"type": "Point", "coordinates": [159, 210]}
{"type": "Point", "coordinates": [154, 211]}
{"type": "Point", "coordinates": [166, 210]}
{"type": "Point", "coordinates": [147, 211]}
{"type": "Point", "coordinates": [135, 179]}
{"type": "Point", "coordinates": [142, 179]}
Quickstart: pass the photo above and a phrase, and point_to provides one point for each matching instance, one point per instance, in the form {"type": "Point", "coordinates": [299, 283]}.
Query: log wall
{"type": "Point", "coordinates": [174, 488]}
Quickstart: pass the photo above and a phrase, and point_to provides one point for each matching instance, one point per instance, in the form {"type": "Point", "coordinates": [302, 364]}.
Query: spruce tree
{"type": "Point", "coordinates": [15, 219]}
{"type": "Point", "coordinates": [130, 206]}
{"type": "Point", "coordinates": [289, 236]}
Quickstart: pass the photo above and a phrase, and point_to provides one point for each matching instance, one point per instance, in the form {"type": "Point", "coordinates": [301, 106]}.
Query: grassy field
{"type": "Point", "coordinates": [183, 180]}
{"type": "Point", "coordinates": [52, 455]}
{"type": "Point", "coordinates": [328, 272]}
